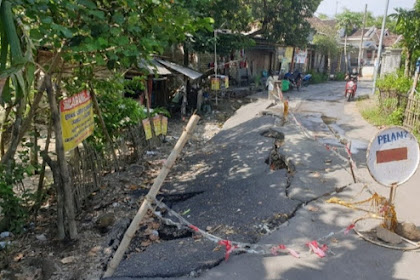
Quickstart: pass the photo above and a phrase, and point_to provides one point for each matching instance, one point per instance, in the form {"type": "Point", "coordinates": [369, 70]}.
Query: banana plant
{"type": "Point", "coordinates": [16, 73]}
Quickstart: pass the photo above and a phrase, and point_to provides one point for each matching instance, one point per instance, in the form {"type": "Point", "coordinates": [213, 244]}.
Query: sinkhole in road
{"type": "Point", "coordinates": [275, 160]}
{"type": "Point", "coordinates": [328, 120]}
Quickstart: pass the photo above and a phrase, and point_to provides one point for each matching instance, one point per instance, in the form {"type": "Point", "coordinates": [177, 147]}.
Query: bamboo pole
{"type": "Point", "coordinates": [413, 88]}
{"type": "Point", "coordinates": [103, 126]}
{"type": "Point", "coordinates": [150, 197]}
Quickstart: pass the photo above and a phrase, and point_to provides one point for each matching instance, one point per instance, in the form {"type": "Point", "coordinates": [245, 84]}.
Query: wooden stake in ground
{"type": "Point", "coordinates": [150, 197]}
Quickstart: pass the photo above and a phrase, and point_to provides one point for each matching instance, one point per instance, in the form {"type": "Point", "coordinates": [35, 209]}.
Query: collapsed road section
{"type": "Point", "coordinates": [237, 195]}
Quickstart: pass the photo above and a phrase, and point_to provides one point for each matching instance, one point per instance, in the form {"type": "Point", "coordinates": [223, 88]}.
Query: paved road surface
{"type": "Point", "coordinates": [233, 187]}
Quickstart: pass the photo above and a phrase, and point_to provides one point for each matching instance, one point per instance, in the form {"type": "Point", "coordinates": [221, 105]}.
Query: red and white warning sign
{"type": "Point", "coordinates": [393, 156]}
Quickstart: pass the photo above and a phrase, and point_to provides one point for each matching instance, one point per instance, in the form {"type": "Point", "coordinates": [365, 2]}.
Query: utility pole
{"type": "Point", "coordinates": [215, 53]}
{"type": "Point", "coordinates": [376, 69]}
{"type": "Point", "coordinates": [359, 64]}
{"type": "Point", "coordinates": [336, 7]}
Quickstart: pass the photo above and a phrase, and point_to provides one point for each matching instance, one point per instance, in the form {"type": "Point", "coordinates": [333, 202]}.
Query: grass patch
{"type": "Point", "coordinates": [371, 112]}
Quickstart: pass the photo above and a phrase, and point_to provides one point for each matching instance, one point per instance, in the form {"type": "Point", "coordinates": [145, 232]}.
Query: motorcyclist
{"type": "Point", "coordinates": [351, 79]}
{"type": "Point", "coordinates": [353, 76]}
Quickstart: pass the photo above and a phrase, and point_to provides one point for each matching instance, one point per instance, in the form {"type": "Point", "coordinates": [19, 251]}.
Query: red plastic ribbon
{"type": "Point", "coordinates": [194, 228]}
{"type": "Point", "coordinates": [229, 248]}
{"type": "Point", "coordinates": [314, 247]}
{"type": "Point", "coordinates": [292, 252]}
{"type": "Point", "coordinates": [348, 150]}
{"type": "Point", "coordinates": [349, 228]}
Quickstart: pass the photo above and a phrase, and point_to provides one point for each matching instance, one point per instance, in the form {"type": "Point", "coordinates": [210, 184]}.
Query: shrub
{"type": "Point", "coordinates": [340, 76]}
{"type": "Point", "coordinates": [318, 77]}
{"type": "Point", "coordinates": [396, 82]}
{"type": "Point", "coordinates": [396, 117]}
{"type": "Point", "coordinates": [15, 199]}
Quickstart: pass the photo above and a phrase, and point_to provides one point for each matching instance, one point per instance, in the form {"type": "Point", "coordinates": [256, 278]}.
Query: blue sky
{"type": "Point", "coordinates": [377, 7]}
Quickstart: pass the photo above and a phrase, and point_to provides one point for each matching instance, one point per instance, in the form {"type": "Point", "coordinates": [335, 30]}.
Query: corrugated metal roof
{"type": "Point", "coordinates": [192, 74]}
{"type": "Point", "coordinates": [153, 67]}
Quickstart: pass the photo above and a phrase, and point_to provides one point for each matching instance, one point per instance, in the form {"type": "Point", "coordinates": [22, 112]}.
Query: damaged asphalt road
{"type": "Point", "coordinates": [235, 194]}
{"type": "Point", "coordinates": [317, 174]}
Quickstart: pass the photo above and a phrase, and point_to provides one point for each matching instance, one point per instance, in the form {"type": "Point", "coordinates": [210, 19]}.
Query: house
{"type": "Point", "coordinates": [391, 57]}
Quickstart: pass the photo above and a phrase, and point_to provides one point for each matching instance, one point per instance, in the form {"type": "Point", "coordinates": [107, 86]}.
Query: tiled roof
{"type": "Point", "coordinates": [374, 33]}
{"type": "Point", "coordinates": [321, 25]}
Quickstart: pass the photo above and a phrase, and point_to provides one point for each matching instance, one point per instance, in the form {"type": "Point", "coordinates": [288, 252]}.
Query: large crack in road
{"type": "Point", "coordinates": [236, 189]}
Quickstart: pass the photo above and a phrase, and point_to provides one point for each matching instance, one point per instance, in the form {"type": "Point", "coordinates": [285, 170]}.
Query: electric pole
{"type": "Point", "coordinates": [377, 64]}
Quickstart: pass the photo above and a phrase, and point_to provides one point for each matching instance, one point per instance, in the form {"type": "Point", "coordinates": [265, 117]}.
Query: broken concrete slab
{"type": "Point", "coordinates": [387, 235]}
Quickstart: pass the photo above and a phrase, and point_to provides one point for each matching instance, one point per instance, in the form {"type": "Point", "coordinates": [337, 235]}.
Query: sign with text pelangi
{"type": "Point", "coordinates": [77, 122]}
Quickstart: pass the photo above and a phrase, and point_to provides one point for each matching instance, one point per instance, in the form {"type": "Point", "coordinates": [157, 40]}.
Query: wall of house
{"type": "Point", "coordinates": [259, 60]}
{"type": "Point", "coordinates": [391, 61]}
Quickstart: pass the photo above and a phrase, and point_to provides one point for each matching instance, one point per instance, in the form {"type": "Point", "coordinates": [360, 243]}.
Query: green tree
{"type": "Point", "coordinates": [86, 34]}
{"type": "Point", "coordinates": [348, 21]}
{"type": "Point", "coordinates": [327, 44]}
{"type": "Point", "coordinates": [408, 25]}
{"type": "Point", "coordinates": [284, 21]}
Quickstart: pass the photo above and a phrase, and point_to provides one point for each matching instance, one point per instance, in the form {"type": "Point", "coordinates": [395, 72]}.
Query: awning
{"type": "Point", "coordinates": [181, 69]}
{"type": "Point", "coordinates": [153, 67]}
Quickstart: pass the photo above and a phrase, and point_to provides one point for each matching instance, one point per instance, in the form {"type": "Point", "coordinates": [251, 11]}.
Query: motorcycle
{"type": "Point", "coordinates": [306, 80]}
{"type": "Point", "coordinates": [351, 87]}
{"type": "Point", "coordinates": [295, 79]}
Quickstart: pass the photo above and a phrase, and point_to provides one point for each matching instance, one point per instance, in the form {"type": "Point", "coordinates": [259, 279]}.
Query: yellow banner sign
{"type": "Point", "coordinates": [164, 125]}
{"type": "Point", "coordinates": [77, 122]}
{"type": "Point", "coordinates": [147, 128]}
{"type": "Point", "coordinates": [215, 84]}
{"type": "Point", "coordinates": [157, 124]}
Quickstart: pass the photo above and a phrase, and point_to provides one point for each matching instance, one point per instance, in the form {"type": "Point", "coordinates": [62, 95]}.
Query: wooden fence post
{"type": "Point", "coordinates": [150, 197]}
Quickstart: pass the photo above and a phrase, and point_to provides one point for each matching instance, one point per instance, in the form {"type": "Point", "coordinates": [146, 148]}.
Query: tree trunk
{"type": "Point", "coordinates": [3, 129]}
{"type": "Point", "coordinates": [64, 183]}
{"type": "Point", "coordinates": [38, 196]}
{"type": "Point", "coordinates": [16, 129]}
{"type": "Point", "coordinates": [339, 61]}
{"type": "Point", "coordinates": [21, 126]}
{"type": "Point", "coordinates": [61, 230]}
{"type": "Point", "coordinates": [407, 63]}
{"type": "Point", "coordinates": [345, 54]}
{"type": "Point", "coordinates": [329, 64]}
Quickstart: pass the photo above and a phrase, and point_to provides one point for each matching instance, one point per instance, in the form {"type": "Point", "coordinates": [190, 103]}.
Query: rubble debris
{"type": "Point", "coordinates": [387, 235]}
{"type": "Point", "coordinates": [409, 231]}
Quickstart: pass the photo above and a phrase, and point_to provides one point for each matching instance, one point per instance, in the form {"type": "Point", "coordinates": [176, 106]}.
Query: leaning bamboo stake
{"type": "Point", "coordinates": [413, 88]}
{"type": "Point", "coordinates": [150, 197]}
